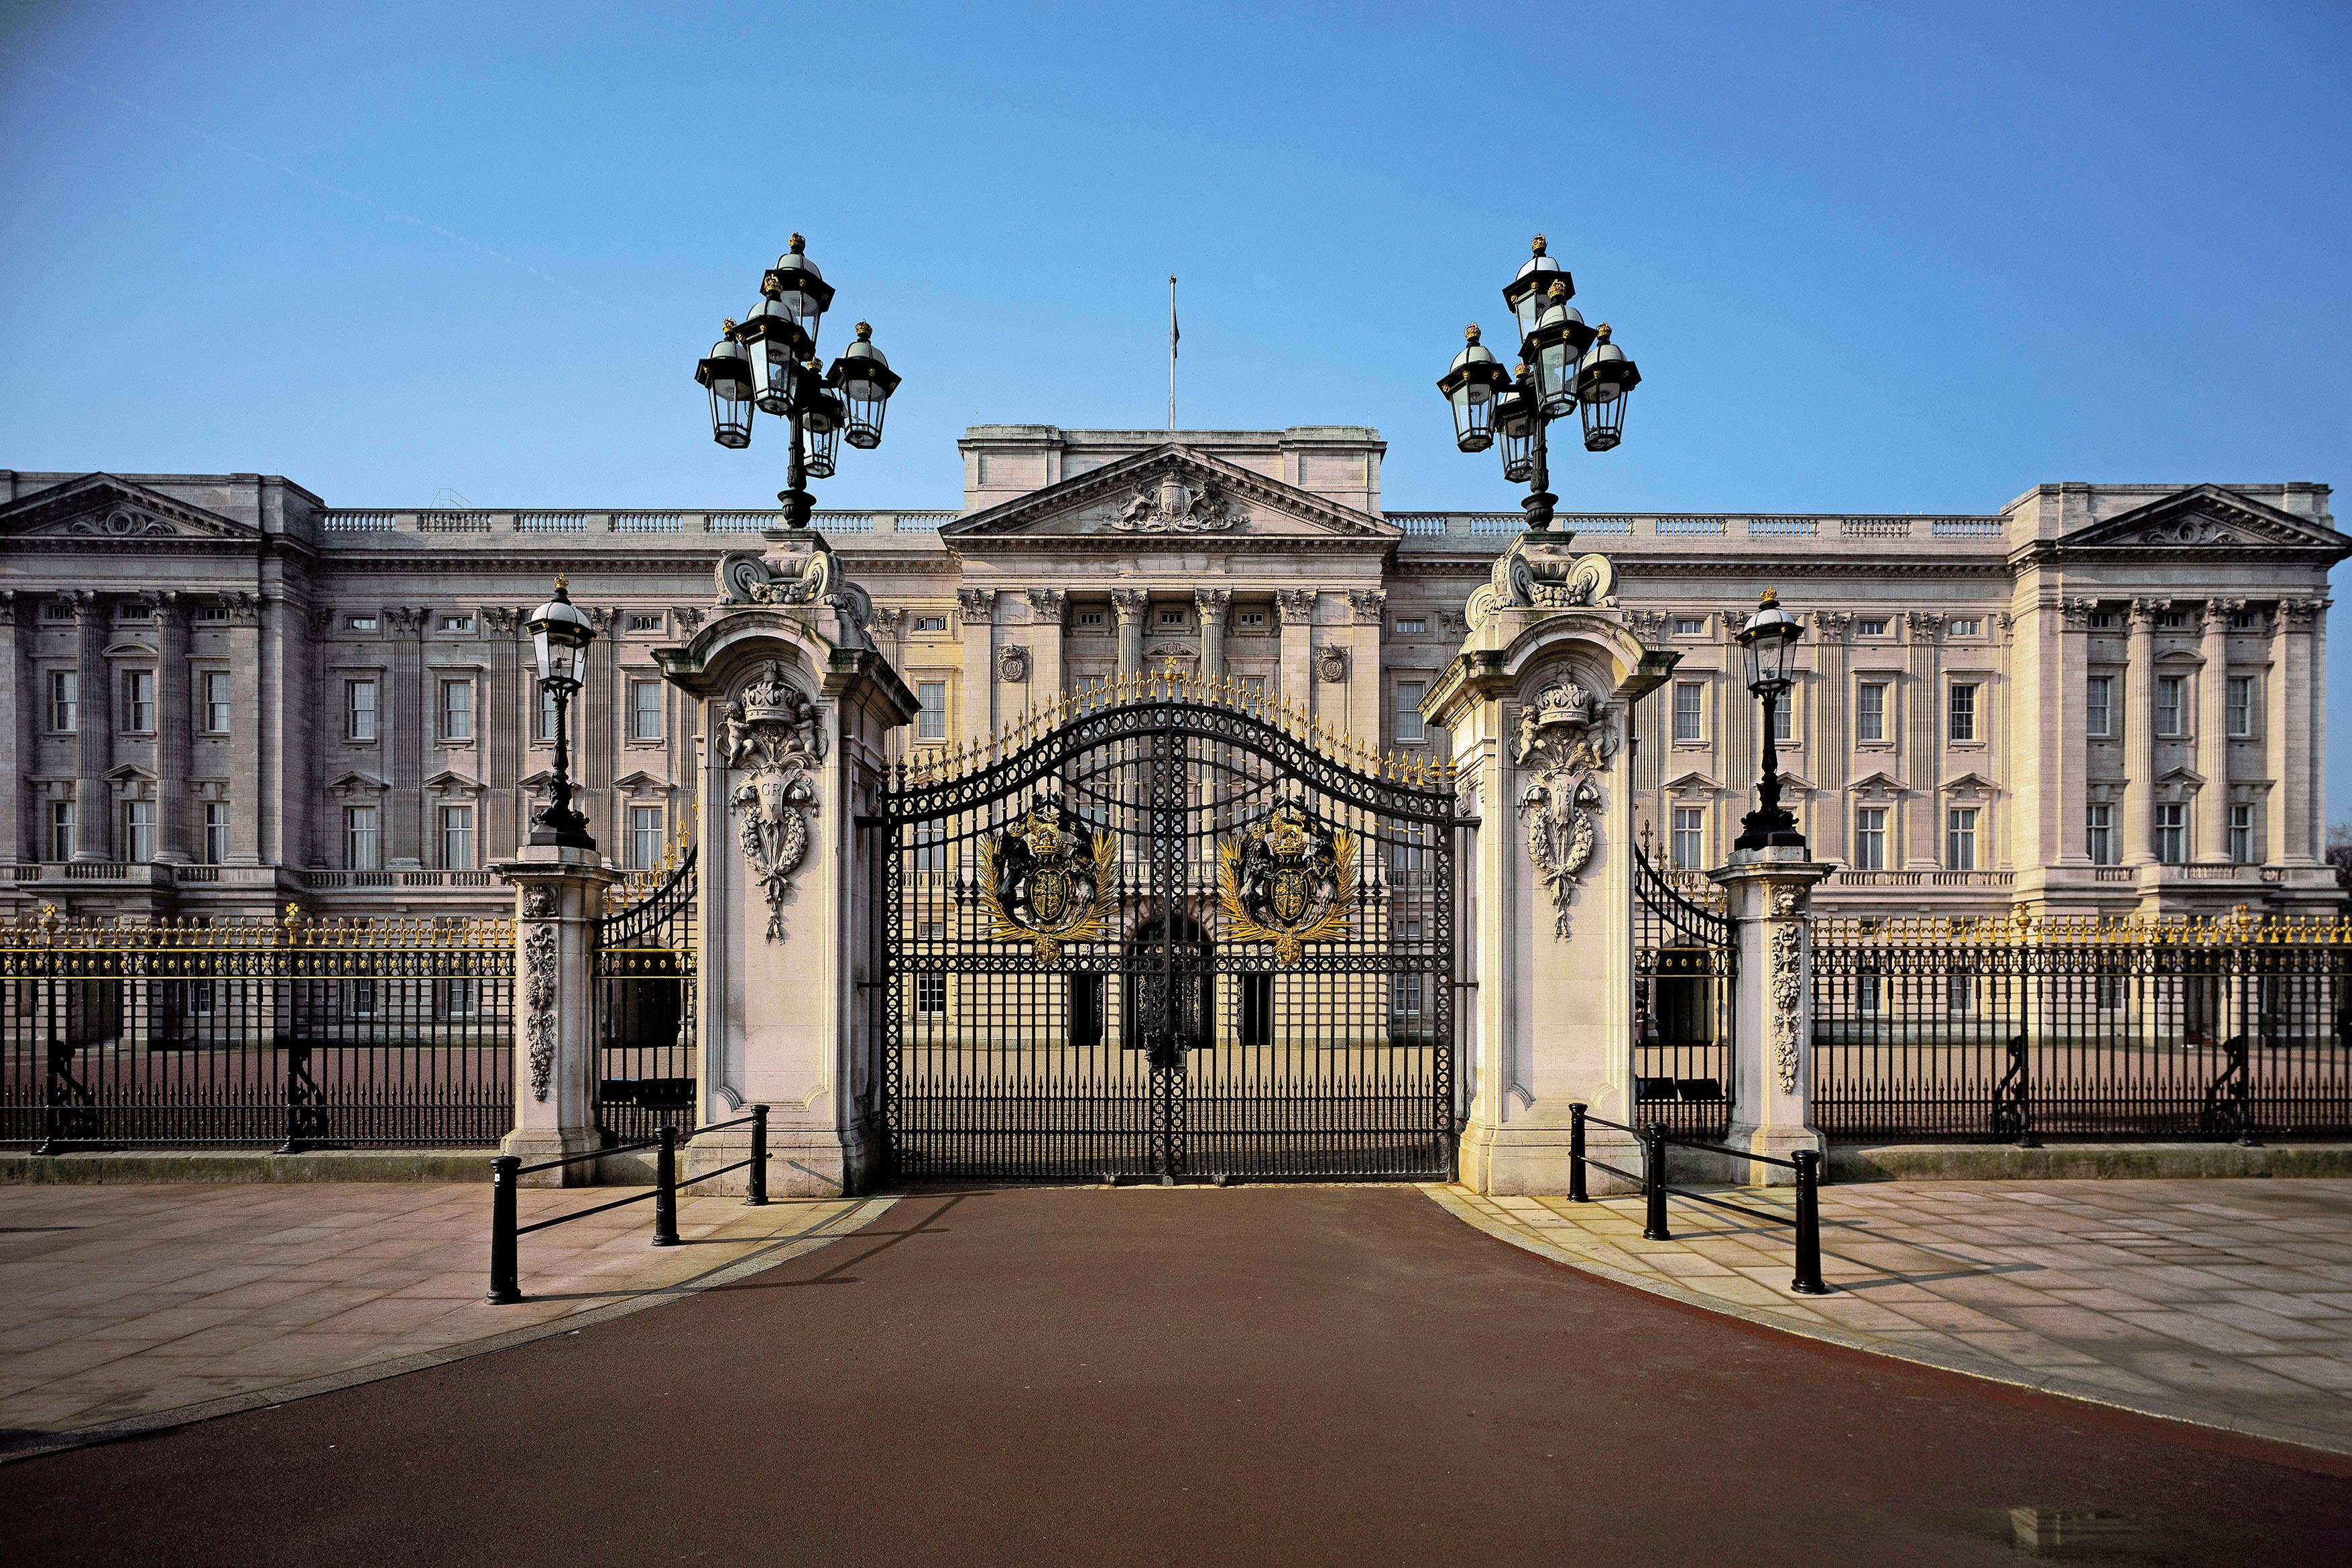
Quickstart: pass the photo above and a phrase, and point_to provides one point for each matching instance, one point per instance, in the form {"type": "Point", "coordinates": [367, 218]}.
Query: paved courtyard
{"type": "Point", "coordinates": [117, 1304]}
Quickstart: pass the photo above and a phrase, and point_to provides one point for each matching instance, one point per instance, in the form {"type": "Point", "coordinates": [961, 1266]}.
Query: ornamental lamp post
{"type": "Point", "coordinates": [1560, 371]}
{"type": "Point", "coordinates": [559, 635]}
{"type": "Point", "coordinates": [1770, 643]}
{"type": "Point", "coordinates": [768, 361]}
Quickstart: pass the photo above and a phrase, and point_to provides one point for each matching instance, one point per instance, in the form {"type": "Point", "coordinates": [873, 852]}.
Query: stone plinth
{"type": "Point", "coordinates": [559, 895]}
{"type": "Point", "coordinates": [1767, 894]}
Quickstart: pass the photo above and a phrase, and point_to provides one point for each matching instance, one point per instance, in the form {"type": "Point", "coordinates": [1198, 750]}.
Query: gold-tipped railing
{"type": "Point", "coordinates": [2240, 927]}
{"type": "Point", "coordinates": [290, 930]}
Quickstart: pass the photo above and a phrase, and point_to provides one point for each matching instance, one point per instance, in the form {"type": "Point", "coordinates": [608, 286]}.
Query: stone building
{"type": "Point", "coordinates": [223, 693]}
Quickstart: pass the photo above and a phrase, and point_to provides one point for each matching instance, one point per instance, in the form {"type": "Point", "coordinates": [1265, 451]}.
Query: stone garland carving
{"type": "Point", "coordinates": [1563, 741]}
{"type": "Point", "coordinates": [1331, 661]}
{"type": "Point", "coordinates": [538, 961]}
{"type": "Point", "coordinates": [1544, 575]}
{"type": "Point", "coordinates": [1788, 988]}
{"type": "Point", "coordinates": [1171, 507]}
{"type": "Point", "coordinates": [1012, 663]}
{"type": "Point", "coordinates": [775, 735]}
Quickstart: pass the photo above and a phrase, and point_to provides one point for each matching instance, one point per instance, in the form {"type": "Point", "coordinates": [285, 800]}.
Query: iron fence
{"type": "Point", "coordinates": [301, 1033]}
{"type": "Point", "coordinates": [1685, 955]}
{"type": "Point", "coordinates": [2020, 1029]}
{"type": "Point", "coordinates": [644, 961]}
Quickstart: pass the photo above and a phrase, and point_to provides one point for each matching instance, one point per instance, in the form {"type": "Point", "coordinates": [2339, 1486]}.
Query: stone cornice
{"type": "Point", "coordinates": [1003, 521]}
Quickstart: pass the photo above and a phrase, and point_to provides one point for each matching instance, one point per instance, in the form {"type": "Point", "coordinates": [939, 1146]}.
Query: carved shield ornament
{"type": "Point", "coordinates": [1288, 879]}
{"type": "Point", "coordinates": [1047, 881]}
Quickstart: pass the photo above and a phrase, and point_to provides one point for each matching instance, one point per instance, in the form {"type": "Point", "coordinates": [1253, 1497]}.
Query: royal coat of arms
{"type": "Point", "coordinates": [1288, 879]}
{"type": "Point", "coordinates": [1047, 881]}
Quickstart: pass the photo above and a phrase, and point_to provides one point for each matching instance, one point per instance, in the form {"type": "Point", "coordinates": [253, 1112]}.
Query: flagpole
{"type": "Point", "coordinates": [1171, 353]}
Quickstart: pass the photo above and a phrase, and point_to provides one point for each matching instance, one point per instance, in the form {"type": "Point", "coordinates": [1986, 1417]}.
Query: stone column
{"type": "Point", "coordinates": [1923, 747]}
{"type": "Point", "coordinates": [245, 718]}
{"type": "Point", "coordinates": [2140, 730]}
{"type": "Point", "coordinates": [559, 894]}
{"type": "Point", "coordinates": [19, 710]}
{"type": "Point", "coordinates": [2213, 731]}
{"type": "Point", "coordinates": [1767, 894]}
{"type": "Point", "coordinates": [1367, 616]}
{"type": "Point", "coordinates": [1048, 608]}
{"type": "Point", "coordinates": [1295, 608]}
{"type": "Point", "coordinates": [2065, 757]}
{"type": "Point", "coordinates": [93, 728]}
{"type": "Point", "coordinates": [1833, 738]}
{"type": "Point", "coordinates": [597, 740]}
{"type": "Point", "coordinates": [1538, 707]}
{"type": "Point", "coordinates": [175, 693]}
{"type": "Point", "coordinates": [1130, 605]}
{"type": "Point", "coordinates": [402, 723]}
{"type": "Point", "coordinates": [976, 607]}
{"type": "Point", "coordinates": [1211, 604]}
{"type": "Point", "coordinates": [2299, 626]}
{"type": "Point", "coordinates": [501, 731]}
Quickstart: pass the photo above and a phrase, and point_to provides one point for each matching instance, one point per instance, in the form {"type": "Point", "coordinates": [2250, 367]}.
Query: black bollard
{"type": "Point", "coordinates": [1575, 1193]}
{"type": "Point", "coordinates": [506, 1288]}
{"type": "Point", "coordinates": [1808, 1281]}
{"type": "Point", "coordinates": [666, 1189]}
{"type": "Point", "coordinates": [1654, 1183]}
{"type": "Point", "coordinates": [756, 1191]}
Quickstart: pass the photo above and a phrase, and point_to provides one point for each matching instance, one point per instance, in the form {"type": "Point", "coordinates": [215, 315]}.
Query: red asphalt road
{"type": "Point", "coordinates": [1260, 1375]}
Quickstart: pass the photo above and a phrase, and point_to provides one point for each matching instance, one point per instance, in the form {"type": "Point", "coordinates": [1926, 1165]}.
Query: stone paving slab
{"type": "Point", "coordinates": [127, 1305]}
{"type": "Point", "coordinates": [2220, 1302]}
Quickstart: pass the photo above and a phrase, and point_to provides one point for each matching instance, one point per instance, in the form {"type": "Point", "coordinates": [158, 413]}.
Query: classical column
{"type": "Point", "coordinates": [1923, 747]}
{"type": "Point", "coordinates": [501, 740]}
{"type": "Point", "coordinates": [401, 726]}
{"type": "Point", "coordinates": [1767, 893]}
{"type": "Point", "coordinates": [246, 719]}
{"type": "Point", "coordinates": [1831, 737]}
{"type": "Point", "coordinates": [173, 694]}
{"type": "Point", "coordinates": [19, 706]}
{"type": "Point", "coordinates": [1367, 614]}
{"type": "Point", "coordinates": [1295, 607]}
{"type": "Point", "coordinates": [2213, 731]}
{"type": "Point", "coordinates": [2299, 626]}
{"type": "Point", "coordinates": [2065, 755]}
{"type": "Point", "coordinates": [599, 741]}
{"type": "Point", "coordinates": [977, 606]}
{"type": "Point", "coordinates": [93, 729]}
{"type": "Point", "coordinates": [2139, 729]}
{"type": "Point", "coordinates": [1212, 604]}
{"type": "Point", "coordinates": [1048, 608]}
{"type": "Point", "coordinates": [1130, 605]}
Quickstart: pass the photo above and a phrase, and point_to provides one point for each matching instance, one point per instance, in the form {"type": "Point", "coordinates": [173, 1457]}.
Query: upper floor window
{"type": "Point", "coordinates": [358, 710]}
{"type": "Point", "coordinates": [65, 706]}
{"type": "Point", "coordinates": [645, 623]}
{"type": "Point", "coordinates": [2169, 717]}
{"type": "Point", "coordinates": [213, 701]}
{"type": "Point", "coordinates": [644, 837]}
{"type": "Point", "coordinates": [1412, 626]}
{"type": "Point", "coordinates": [1254, 686]}
{"type": "Point", "coordinates": [139, 829]}
{"type": "Point", "coordinates": [457, 710]}
{"type": "Point", "coordinates": [2103, 620]}
{"type": "Point", "coordinates": [1964, 626]}
{"type": "Point", "coordinates": [1961, 838]}
{"type": "Point", "coordinates": [1870, 626]}
{"type": "Point", "coordinates": [2171, 844]}
{"type": "Point", "coordinates": [1964, 711]}
{"type": "Point", "coordinates": [61, 829]}
{"type": "Point", "coordinates": [1870, 838]}
{"type": "Point", "coordinates": [136, 610]}
{"type": "Point", "coordinates": [547, 715]}
{"type": "Point", "coordinates": [359, 838]}
{"type": "Point", "coordinates": [1092, 620]}
{"type": "Point", "coordinates": [1784, 719]}
{"type": "Point", "coordinates": [1690, 625]}
{"type": "Point", "coordinates": [2173, 620]}
{"type": "Point", "coordinates": [2241, 707]}
{"type": "Point", "coordinates": [457, 623]}
{"type": "Point", "coordinates": [1690, 697]}
{"type": "Point", "coordinates": [212, 614]}
{"type": "Point", "coordinates": [1171, 618]}
{"type": "Point", "coordinates": [2098, 708]}
{"type": "Point", "coordinates": [2099, 834]}
{"type": "Point", "coordinates": [139, 700]}
{"type": "Point", "coordinates": [930, 622]}
{"type": "Point", "coordinates": [361, 623]}
{"type": "Point", "coordinates": [457, 837]}
{"type": "Point", "coordinates": [1247, 619]}
{"type": "Point", "coordinates": [2242, 849]}
{"type": "Point", "coordinates": [58, 610]}
{"type": "Point", "coordinates": [1408, 712]}
{"type": "Point", "coordinates": [932, 723]}
{"type": "Point", "coordinates": [216, 832]}
{"type": "Point", "coordinates": [645, 710]}
{"type": "Point", "coordinates": [2245, 621]}
{"type": "Point", "coordinates": [1688, 845]}
{"type": "Point", "coordinates": [1870, 711]}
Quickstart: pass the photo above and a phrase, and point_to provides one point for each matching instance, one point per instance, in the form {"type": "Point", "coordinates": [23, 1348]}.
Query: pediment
{"type": "Point", "coordinates": [1970, 783]}
{"type": "Point", "coordinates": [2207, 517]}
{"type": "Point", "coordinates": [2183, 776]}
{"type": "Point", "coordinates": [1883, 784]}
{"type": "Point", "coordinates": [104, 507]}
{"type": "Point", "coordinates": [639, 781]}
{"type": "Point", "coordinates": [124, 648]}
{"type": "Point", "coordinates": [1169, 498]}
{"type": "Point", "coordinates": [357, 782]}
{"type": "Point", "coordinates": [129, 772]}
{"type": "Point", "coordinates": [450, 781]}
{"type": "Point", "coordinates": [1798, 784]}
{"type": "Point", "coordinates": [1693, 783]}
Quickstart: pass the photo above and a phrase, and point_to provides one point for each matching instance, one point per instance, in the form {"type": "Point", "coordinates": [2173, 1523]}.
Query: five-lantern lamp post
{"type": "Point", "coordinates": [559, 635]}
{"type": "Point", "coordinates": [768, 361]}
{"type": "Point", "coordinates": [1564, 366]}
{"type": "Point", "coordinates": [1770, 643]}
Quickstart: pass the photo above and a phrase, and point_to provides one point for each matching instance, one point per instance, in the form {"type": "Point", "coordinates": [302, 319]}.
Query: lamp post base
{"type": "Point", "coordinates": [562, 830]}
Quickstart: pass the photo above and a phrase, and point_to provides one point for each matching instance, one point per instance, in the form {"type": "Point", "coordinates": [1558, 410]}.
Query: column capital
{"type": "Point", "coordinates": [2300, 614]}
{"type": "Point", "coordinates": [976, 606]}
{"type": "Point", "coordinates": [1047, 606]}
{"type": "Point", "coordinates": [2077, 612]}
{"type": "Point", "coordinates": [1368, 606]}
{"type": "Point", "coordinates": [2142, 612]}
{"type": "Point", "coordinates": [1295, 606]}
{"type": "Point", "coordinates": [171, 607]}
{"type": "Point", "coordinates": [1212, 603]}
{"type": "Point", "coordinates": [2218, 613]}
{"type": "Point", "coordinates": [407, 620]}
{"type": "Point", "coordinates": [1832, 625]}
{"type": "Point", "coordinates": [501, 620]}
{"type": "Point", "coordinates": [1924, 624]}
{"type": "Point", "coordinates": [1130, 602]}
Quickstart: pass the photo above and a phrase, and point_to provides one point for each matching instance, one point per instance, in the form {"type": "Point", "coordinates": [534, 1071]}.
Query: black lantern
{"type": "Point", "coordinates": [1555, 348]}
{"type": "Point", "coordinates": [865, 381]}
{"type": "Point", "coordinates": [821, 419]}
{"type": "Point", "coordinates": [777, 343]}
{"type": "Point", "coordinates": [1470, 385]}
{"type": "Point", "coordinates": [1604, 385]}
{"type": "Point", "coordinates": [559, 635]}
{"type": "Point", "coordinates": [1515, 429]}
{"type": "Point", "coordinates": [795, 284]}
{"type": "Point", "coordinates": [1525, 294]}
{"type": "Point", "coordinates": [1769, 641]}
{"type": "Point", "coordinates": [728, 374]}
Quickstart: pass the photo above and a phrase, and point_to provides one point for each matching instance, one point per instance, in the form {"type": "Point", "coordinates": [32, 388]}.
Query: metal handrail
{"type": "Point", "coordinates": [1655, 1188]}
{"type": "Point", "coordinates": [506, 1287]}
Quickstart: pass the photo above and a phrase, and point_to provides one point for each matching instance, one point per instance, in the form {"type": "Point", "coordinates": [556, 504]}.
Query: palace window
{"type": "Point", "coordinates": [547, 714]}
{"type": "Point", "coordinates": [1411, 851]}
{"type": "Point", "coordinates": [932, 723]}
{"type": "Point", "coordinates": [2241, 707]}
{"type": "Point", "coordinates": [930, 986]}
{"type": "Point", "coordinates": [362, 623]}
{"type": "Point", "coordinates": [57, 611]}
{"type": "Point", "coordinates": [358, 710]}
{"type": "Point", "coordinates": [1689, 698]}
{"type": "Point", "coordinates": [1171, 620]}
{"type": "Point", "coordinates": [1257, 1009]}
{"type": "Point", "coordinates": [1959, 994]}
{"type": "Point", "coordinates": [2169, 690]}
{"type": "Point", "coordinates": [456, 998]}
{"type": "Point", "coordinates": [645, 623]}
{"type": "Point", "coordinates": [139, 700]}
{"type": "Point", "coordinates": [645, 710]}
{"type": "Point", "coordinates": [1870, 626]}
{"type": "Point", "coordinates": [216, 832]}
{"type": "Point", "coordinates": [1247, 619]}
{"type": "Point", "coordinates": [64, 704]}
{"type": "Point", "coordinates": [2245, 621]}
{"type": "Point", "coordinates": [930, 622]}
{"type": "Point", "coordinates": [2099, 834]}
{"type": "Point", "coordinates": [1690, 625]}
{"type": "Point", "coordinates": [457, 623]}
{"type": "Point", "coordinates": [1870, 711]}
{"type": "Point", "coordinates": [457, 710]}
{"type": "Point", "coordinates": [1964, 711]}
{"type": "Point", "coordinates": [1412, 626]}
{"type": "Point", "coordinates": [1870, 838]}
{"type": "Point", "coordinates": [1964, 626]}
{"type": "Point", "coordinates": [1254, 686]}
{"type": "Point", "coordinates": [1961, 838]}
{"type": "Point", "coordinates": [359, 998]}
{"type": "Point", "coordinates": [2098, 708]}
{"type": "Point", "coordinates": [1784, 718]}
{"type": "Point", "coordinates": [212, 700]}
{"type": "Point", "coordinates": [2173, 620]}
{"type": "Point", "coordinates": [61, 829]}
{"type": "Point", "coordinates": [1408, 712]}
{"type": "Point", "coordinates": [2242, 849]}
{"type": "Point", "coordinates": [212, 614]}
{"type": "Point", "coordinates": [1092, 620]}
{"type": "Point", "coordinates": [1688, 847]}
{"type": "Point", "coordinates": [2103, 620]}
{"type": "Point", "coordinates": [644, 837]}
{"type": "Point", "coordinates": [139, 829]}
{"type": "Point", "coordinates": [930, 849]}
{"type": "Point", "coordinates": [137, 611]}
{"type": "Point", "coordinates": [359, 839]}
{"type": "Point", "coordinates": [456, 838]}
{"type": "Point", "coordinates": [2172, 834]}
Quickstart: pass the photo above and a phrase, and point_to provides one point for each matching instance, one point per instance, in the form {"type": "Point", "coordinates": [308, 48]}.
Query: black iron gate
{"type": "Point", "coordinates": [645, 963]}
{"type": "Point", "coordinates": [1683, 958]}
{"type": "Point", "coordinates": [1168, 935]}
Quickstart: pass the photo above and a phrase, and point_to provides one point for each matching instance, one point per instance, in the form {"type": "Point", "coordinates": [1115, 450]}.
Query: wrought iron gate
{"type": "Point", "coordinates": [645, 964]}
{"type": "Point", "coordinates": [1168, 930]}
{"type": "Point", "coordinates": [1684, 957]}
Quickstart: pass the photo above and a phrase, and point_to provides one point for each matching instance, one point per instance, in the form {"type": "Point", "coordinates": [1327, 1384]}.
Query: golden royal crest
{"type": "Point", "coordinates": [1046, 880]}
{"type": "Point", "coordinates": [1288, 880]}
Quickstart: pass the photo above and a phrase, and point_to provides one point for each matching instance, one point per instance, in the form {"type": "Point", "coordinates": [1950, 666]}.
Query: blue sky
{"type": "Point", "coordinates": [1871, 257]}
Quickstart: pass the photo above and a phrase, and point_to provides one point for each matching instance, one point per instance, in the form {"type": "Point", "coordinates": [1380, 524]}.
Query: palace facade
{"type": "Point", "coordinates": [222, 693]}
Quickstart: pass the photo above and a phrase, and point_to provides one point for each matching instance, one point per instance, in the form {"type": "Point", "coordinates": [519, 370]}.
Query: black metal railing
{"type": "Point", "coordinates": [2226, 1029]}
{"type": "Point", "coordinates": [644, 967]}
{"type": "Point", "coordinates": [507, 1170]}
{"type": "Point", "coordinates": [1655, 1189]}
{"type": "Point", "coordinates": [1684, 957]}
